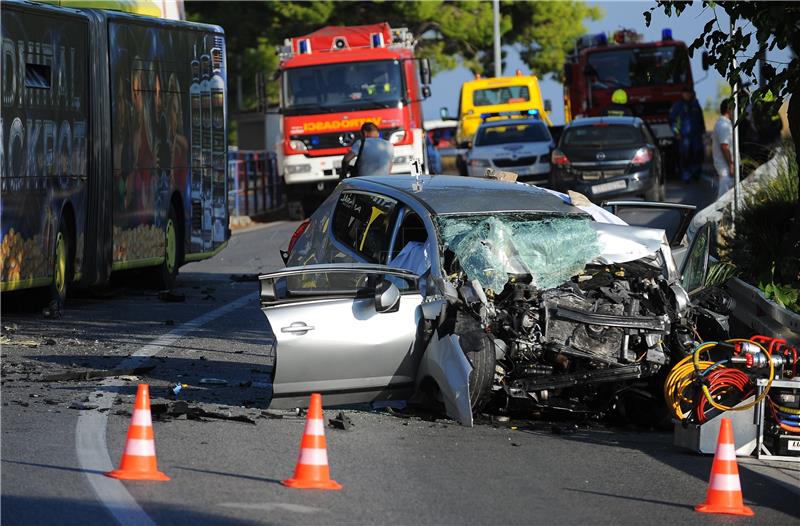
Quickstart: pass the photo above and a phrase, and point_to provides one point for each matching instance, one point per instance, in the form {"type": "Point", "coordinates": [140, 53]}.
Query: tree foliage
{"type": "Point", "coordinates": [448, 32]}
{"type": "Point", "coordinates": [770, 25]}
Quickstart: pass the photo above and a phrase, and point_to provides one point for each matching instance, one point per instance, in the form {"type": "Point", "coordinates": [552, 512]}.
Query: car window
{"type": "Point", "coordinates": [361, 222]}
{"type": "Point", "coordinates": [504, 95]}
{"type": "Point", "coordinates": [358, 283]}
{"type": "Point", "coordinates": [506, 133]}
{"type": "Point", "coordinates": [602, 135]}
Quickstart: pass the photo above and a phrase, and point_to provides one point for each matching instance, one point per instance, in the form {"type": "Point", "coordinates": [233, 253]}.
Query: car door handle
{"type": "Point", "coordinates": [297, 327]}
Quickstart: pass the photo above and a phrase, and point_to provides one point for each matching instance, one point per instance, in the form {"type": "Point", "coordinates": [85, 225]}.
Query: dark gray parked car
{"type": "Point", "coordinates": [465, 290]}
{"type": "Point", "coordinates": [604, 157]}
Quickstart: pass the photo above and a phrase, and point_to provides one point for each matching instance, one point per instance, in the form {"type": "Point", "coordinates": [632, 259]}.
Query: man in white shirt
{"type": "Point", "coordinates": [722, 149]}
{"type": "Point", "coordinates": [375, 158]}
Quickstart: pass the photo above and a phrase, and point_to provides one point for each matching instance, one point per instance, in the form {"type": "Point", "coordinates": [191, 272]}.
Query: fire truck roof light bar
{"type": "Point", "coordinates": [666, 34]}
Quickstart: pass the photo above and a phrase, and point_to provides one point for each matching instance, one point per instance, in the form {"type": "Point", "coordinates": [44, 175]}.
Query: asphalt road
{"type": "Point", "coordinates": [59, 436]}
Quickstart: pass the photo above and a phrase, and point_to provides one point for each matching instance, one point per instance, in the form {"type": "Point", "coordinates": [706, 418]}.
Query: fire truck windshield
{"type": "Point", "coordinates": [346, 86]}
{"type": "Point", "coordinates": [632, 67]}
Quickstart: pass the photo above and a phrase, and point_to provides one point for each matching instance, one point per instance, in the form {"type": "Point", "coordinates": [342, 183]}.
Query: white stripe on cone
{"type": "Point", "coordinates": [141, 417]}
{"type": "Point", "coordinates": [140, 448]}
{"type": "Point", "coordinates": [313, 457]}
{"type": "Point", "coordinates": [315, 427]}
{"type": "Point", "coordinates": [726, 452]}
{"type": "Point", "coordinates": [725, 483]}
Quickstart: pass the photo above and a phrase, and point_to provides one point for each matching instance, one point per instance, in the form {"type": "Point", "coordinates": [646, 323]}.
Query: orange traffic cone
{"type": "Point", "coordinates": [139, 458]}
{"type": "Point", "coordinates": [724, 490]}
{"type": "Point", "coordinates": [311, 471]}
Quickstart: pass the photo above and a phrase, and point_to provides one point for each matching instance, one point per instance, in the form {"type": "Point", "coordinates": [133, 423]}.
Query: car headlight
{"type": "Point", "coordinates": [400, 160]}
{"type": "Point", "coordinates": [479, 163]}
{"type": "Point", "coordinates": [397, 136]}
{"type": "Point", "coordinates": [298, 146]}
{"type": "Point", "coordinates": [298, 168]}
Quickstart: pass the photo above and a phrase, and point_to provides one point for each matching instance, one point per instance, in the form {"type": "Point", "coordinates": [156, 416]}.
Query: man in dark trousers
{"type": "Point", "coordinates": [373, 155]}
{"type": "Point", "coordinates": [688, 125]}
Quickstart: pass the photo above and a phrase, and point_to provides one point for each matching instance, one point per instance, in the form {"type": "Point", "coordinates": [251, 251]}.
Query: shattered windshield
{"type": "Point", "coordinates": [550, 249]}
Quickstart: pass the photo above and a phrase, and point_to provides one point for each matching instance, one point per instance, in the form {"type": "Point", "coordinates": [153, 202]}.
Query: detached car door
{"type": "Point", "coordinates": [346, 331]}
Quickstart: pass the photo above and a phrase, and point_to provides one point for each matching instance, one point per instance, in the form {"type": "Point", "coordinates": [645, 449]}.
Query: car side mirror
{"type": "Point", "coordinates": [548, 105]}
{"type": "Point", "coordinates": [443, 113]}
{"type": "Point", "coordinates": [426, 92]}
{"type": "Point", "coordinates": [387, 297]}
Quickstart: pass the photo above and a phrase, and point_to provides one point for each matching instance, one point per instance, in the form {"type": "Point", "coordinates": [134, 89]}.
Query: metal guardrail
{"type": "Point", "coordinates": [254, 186]}
{"type": "Point", "coordinates": [760, 315]}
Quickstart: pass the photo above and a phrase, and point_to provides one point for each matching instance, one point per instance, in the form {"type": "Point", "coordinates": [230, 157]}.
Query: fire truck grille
{"type": "Point", "coordinates": [323, 141]}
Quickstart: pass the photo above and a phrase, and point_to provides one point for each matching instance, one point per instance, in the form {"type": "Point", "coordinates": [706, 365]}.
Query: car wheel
{"type": "Point", "coordinates": [62, 267]}
{"type": "Point", "coordinates": [294, 209]}
{"type": "Point", "coordinates": [168, 270]}
{"type": "Point", "coordinates": [479, 350]}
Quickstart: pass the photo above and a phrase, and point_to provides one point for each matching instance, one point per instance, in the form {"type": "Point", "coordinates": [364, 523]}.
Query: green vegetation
{"type": "Point", "coordinates": [449, 32]}
{"type": "Point", "coordinates": [757, 248]}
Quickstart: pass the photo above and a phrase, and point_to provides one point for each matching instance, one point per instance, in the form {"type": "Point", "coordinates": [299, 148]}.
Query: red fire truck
{"type": "Point", "coordinates": [653, 74]}
{"type": "Point", "coordinates": [333, 81]}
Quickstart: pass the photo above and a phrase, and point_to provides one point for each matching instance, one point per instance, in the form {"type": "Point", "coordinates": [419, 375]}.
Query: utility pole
{"type": "Point", "coordinates": [498, 62]}
{"type": "Point", "coordinates": [736, 167]}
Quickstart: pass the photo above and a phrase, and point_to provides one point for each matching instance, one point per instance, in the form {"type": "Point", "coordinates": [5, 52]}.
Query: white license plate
{"type": "Point", "coordinates": [794, 445]}
{"type": "Point", "coordinates": [609, 187]}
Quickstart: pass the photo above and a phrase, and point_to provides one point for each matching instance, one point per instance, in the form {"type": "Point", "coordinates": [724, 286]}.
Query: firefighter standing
{"type": "Point", "coordinates": [688, 125]}
{"type": "Point", "coordinates": [619, 105]}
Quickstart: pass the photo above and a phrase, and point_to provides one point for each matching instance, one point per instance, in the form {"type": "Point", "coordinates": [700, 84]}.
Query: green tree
{"type": "Point", "coordinates": [448, 32]}
{"type": "Point", "coordinates": [771, 25]}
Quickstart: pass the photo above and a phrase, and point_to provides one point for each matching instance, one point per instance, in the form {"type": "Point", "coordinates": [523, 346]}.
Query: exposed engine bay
{"type": "Point", "coordinates": [605, 326]}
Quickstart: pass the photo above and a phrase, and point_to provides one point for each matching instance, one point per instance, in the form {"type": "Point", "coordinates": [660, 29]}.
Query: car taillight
{"type": "Point", "coordinates": [297, 233]}
{"type": "Point", "coordinates": [643, 155]}
{"type": "Point", "coordinates": [558, 158]}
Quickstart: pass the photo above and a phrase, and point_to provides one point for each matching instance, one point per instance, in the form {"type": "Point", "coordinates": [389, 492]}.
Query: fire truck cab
{"type": "Point", "coordinates": [334, 80]}
{"type": "Point", "coordinates": [653, 74]}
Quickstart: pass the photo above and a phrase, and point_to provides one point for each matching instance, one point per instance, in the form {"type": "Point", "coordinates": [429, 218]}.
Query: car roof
{"type": "Point", "coordinates": [589, 121]}
{"type": "Point", "coordinates": [512, 121]}
{"type": "Point", "coordinates": [454, 195]}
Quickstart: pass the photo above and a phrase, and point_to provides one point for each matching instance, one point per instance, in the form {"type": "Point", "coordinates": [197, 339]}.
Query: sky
{"type": "Point", "coordinates": [617, 15]}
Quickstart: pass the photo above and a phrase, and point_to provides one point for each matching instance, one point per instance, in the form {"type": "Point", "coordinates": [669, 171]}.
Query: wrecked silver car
{"type": "Point", "coordinates": [466, 292]}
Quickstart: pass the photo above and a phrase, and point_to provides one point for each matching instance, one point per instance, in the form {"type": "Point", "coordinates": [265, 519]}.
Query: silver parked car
{"type": "Point", "coordinates": [469, 290]}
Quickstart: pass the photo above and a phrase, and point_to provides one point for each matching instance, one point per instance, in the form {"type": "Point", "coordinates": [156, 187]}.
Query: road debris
{"type": "Point", "coordinates": [82, 406]}
{"type": "Point", "coordinates": [341, 421]}
{"type": "Point", "coordinates": [171, 296]}
{"type": "Point", "coordinates": [182, 409]}
{"type": "Point", "coordinates": [93, 373]}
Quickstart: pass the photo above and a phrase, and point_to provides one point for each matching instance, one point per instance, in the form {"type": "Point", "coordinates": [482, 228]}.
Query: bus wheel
{"type": "Point", "coordinates": [62, 269]}
{"type": "Point", "coordinates": [168, 270]}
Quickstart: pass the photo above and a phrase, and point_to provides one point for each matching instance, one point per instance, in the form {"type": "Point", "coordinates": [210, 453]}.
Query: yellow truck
{"type": "Point", "coordinates": [496, 95]}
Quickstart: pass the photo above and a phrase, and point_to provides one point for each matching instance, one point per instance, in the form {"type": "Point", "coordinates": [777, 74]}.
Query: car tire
{"type": "Point", "coordinates": [479, 350]}
{"type": "Point", "coordinates": [656, 193]}
{"type": "Point", "coordinates": [62, 267]}
{"type": "Point", "coordinates": [167, 272]}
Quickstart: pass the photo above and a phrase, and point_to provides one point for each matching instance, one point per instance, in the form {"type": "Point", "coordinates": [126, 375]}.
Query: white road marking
{"type": "Point", "coordinates": [271, 506]}
{"type": "Point", "coordinates": [90, 431]}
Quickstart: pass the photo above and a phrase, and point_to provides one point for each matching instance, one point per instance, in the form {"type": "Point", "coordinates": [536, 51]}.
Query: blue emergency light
{"type": "Point", "coordinates": [602, 39]}
{"type": "Point", "coordinates": [315, 140]}
{"type": "Point", "coordinates": [377, 39]}
{"type": "Point", "coordinates": [666, 34]}
{"type": "Point", "coordinates": [533, 112]}
{"type": "Point", "coordinates": [303, 46]}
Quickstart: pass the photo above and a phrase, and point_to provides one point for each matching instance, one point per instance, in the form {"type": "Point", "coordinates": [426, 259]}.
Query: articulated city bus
{"type": "Point", "coordinates": [114, 144]}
